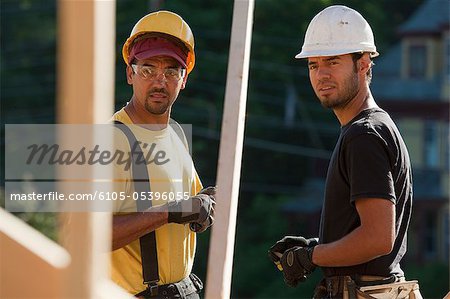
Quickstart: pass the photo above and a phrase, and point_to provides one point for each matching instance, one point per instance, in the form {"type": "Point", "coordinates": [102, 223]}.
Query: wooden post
{"type": "Point", "coordinates": [220, 261]}
{"type": "Point", "coordinates": [86, 63]}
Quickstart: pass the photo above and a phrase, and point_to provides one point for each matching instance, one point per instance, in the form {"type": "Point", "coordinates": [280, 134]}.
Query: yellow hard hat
{"type": "Point", "coordinates": [165, 22]}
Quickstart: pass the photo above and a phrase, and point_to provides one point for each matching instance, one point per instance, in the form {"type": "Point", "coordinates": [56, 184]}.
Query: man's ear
{"type": "Point", "coordinates": [129, 71]}
{"type": "Point", "coordinates": [365, 63]}
{"type": "Point", "coordinates": [183, 84]}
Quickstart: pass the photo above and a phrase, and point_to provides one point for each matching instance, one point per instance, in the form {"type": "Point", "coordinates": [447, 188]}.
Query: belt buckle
{"type": "Point", "coordinates": [152, 286]}
{"type": "Point", "coordinates": [335, 285]}
{"type": "Point", "coordinates": [196, 281]}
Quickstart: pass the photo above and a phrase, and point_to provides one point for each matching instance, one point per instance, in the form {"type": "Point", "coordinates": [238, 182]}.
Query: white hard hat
{"type": "Point", "coordinates": [338, 30]}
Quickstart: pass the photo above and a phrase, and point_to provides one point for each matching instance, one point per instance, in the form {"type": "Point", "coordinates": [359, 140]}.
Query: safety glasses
{"type": "Point", "coordinates": [148, 72]}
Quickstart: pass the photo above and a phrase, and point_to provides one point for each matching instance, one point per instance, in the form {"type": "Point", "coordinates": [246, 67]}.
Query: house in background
{"type": "Point", "coordinates": [412, 82]}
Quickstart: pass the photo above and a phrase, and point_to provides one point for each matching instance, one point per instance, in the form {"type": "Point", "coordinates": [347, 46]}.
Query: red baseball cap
{"type": "Point", "coordinates": [157, 46]}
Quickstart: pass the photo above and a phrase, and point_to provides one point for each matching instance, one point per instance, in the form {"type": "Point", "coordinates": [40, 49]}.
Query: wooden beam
{"type": "Point", "coordinates": [27, 255]}
{"type": "Point", "coordinates": [220, 261]}
{"type": "Point", "coordinates": [86, 62]}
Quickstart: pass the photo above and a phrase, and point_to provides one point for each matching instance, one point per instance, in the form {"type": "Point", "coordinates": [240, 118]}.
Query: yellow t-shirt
{"type": "Point", "coordinates": [178, 177]}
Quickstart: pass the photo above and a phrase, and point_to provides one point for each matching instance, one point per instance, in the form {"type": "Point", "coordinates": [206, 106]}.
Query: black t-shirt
{"type": "Point", "coordinates": [370, 160]}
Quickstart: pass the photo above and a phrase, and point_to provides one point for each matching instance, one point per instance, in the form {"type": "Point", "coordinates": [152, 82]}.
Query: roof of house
{"type": "Point", "coordinates": [387, 85]}
{"type": "Point", "coordinates": [431, 17]}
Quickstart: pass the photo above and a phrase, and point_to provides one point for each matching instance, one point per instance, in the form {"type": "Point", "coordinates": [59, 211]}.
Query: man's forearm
{"type": "Point", "coordinates": [351, 250]}
{"type": "Point", "coordinates": [130, 227]}
{"type": "Point", "coordinates": [373, 238]}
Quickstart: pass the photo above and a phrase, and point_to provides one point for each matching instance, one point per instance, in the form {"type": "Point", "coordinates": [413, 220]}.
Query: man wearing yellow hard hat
{"type": "Point", "coordinates": [162, 204]}
{"type": "Point", "coordinates": [368, 191]}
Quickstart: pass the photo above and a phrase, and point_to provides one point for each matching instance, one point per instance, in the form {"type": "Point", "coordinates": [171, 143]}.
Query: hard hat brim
{"type": "Point", "coordinates": [307, 54]}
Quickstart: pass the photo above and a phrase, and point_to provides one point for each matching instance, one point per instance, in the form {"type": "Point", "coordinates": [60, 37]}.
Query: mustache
{"type": "Point", "coordinates": [159, 90]}
{"type": "Point", "coordinates": [323, 81]}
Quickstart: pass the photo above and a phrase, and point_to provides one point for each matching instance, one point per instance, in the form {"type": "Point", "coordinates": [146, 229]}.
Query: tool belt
{"type": "Point", "coordinates": [367, 287]}
{"type": "Point", "coordinates": [182, 289]}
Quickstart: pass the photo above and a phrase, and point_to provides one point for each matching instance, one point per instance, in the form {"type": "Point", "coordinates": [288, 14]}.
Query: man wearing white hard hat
{"type": "Point", "coordinates": [368, 193]}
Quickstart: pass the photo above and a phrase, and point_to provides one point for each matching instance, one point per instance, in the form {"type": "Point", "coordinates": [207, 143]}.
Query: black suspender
{"type": "Point", "coordinates": [141, 181]}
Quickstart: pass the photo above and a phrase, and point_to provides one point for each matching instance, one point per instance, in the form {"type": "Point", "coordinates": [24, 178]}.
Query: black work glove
{"type": "Point", "coordinates": [196, 208]}
{"type": "Point", "coordinates": [200, 227]}
{"type": "Point", "coordinates": [297, 264]}
{"type": "Point", "coordinates": [277, 250]}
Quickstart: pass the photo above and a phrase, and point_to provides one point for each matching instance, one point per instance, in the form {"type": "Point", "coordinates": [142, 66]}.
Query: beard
{"type": "Point", "coordinates": [158, 108]}
{"type": "Point", "coordinates": [348, 91]}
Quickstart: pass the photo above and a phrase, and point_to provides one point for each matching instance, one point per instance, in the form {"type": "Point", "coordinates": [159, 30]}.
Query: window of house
{"type": "Point", "coordinates": [446, 149]}
{"type": "Point", "coordinates": [446, 234]}
{"type": "Point", "coordinates": [430, 235]}
{"type": "Point", "coordinates": [431, 144]}
{"type": "Point", "coordinates": [447, 57]}
{"type": "Point", "coordinates": [417, 61]}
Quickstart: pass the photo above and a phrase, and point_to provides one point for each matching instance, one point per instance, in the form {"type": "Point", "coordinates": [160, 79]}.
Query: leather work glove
{"type": "Point", "coordinates": [198, 209]}
{"type": "Point", "coordinates": [297, 264]}
{"type": "Point", "coordinates": [201, 227]}
{"type": "Point", "coordinates": [277, 250]}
